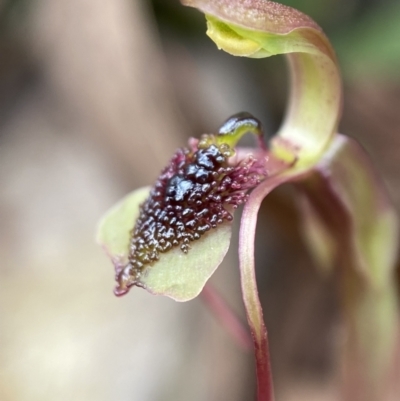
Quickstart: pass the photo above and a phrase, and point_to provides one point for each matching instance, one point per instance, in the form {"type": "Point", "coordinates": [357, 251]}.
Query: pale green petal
{"type": "Point", "coordinates": [350, 203]}
{"type": "Point", "coordinates": [372, 223]}
{"type": "Point", "coordinates": [113, 233]}
{"type": "Point", "coordinates": [317, 237]}
{"type": "Point", "coordinates": [182, 276]}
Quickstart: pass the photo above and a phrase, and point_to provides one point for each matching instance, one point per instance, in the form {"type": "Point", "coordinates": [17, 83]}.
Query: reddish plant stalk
{"type": "Point", "coordinates": [227, 317]}
{"type": "Point", "coordinates": [265, 390]}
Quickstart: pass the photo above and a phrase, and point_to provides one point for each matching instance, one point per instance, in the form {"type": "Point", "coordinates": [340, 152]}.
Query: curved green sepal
{"type": "Point", "coordinates": [349, 202]}
{"type": "Point", "coordinates": [177, 275]}
{"type": "Point", "coordinates": [257, 29]}
{"type": "Point", "coordinates": [348, 194]}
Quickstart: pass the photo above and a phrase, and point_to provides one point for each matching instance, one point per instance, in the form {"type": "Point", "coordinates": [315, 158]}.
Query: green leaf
{"type": "Point", "coordinates": [177, 275]}
{"type": "Point", "coordinates": [263, 28]}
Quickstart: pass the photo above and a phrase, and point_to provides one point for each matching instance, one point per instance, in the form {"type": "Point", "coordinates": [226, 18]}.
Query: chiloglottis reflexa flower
{"type": "Point", "coordinates": [193, 198]}
{"type": "Point", "coordinates": [170, 238]}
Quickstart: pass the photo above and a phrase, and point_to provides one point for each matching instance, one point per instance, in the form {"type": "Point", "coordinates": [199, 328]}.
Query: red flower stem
{"type": "Point", "coordinates": [227, 317]}
{"type": "Point", "coordinates": [265, 390]}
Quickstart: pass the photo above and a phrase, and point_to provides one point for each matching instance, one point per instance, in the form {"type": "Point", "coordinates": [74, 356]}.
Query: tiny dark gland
{"type": "Point", "coordinates": [194, 193]}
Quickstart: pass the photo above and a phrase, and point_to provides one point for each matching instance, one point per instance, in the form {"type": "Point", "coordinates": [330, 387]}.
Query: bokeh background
{"type": "Point", "coordinates": [94, 98]}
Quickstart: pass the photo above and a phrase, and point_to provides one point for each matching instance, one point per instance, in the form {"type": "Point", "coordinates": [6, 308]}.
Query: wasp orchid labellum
{"type": "Point", "coordinates": [170, 238]}
{"type": "Point", "coordinates": [175, 234]}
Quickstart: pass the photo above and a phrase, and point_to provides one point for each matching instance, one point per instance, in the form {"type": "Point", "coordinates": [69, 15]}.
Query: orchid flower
{"type": "Point", "coordinates": [171, 237]}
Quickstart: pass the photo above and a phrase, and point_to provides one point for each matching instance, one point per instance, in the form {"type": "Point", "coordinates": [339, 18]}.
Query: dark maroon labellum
{"type": "Point", "coordinates": [195, 193]}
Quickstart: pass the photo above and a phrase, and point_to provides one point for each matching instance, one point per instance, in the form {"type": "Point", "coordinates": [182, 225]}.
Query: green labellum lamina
{"type": "Point", "coordinates": [196, 193]}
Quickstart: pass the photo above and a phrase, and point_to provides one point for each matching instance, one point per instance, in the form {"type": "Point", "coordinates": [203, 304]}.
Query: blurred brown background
{"type": "Point", "coordinates": [94, 98]}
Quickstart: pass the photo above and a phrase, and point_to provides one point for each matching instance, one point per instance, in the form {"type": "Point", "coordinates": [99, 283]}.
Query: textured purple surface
{"type": "Point", "coordinates": [195, 193]}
